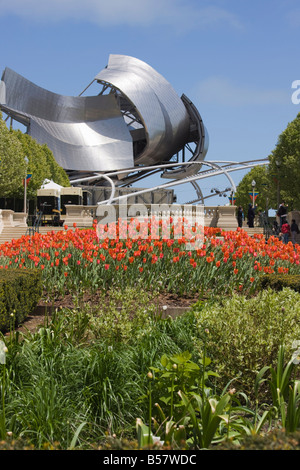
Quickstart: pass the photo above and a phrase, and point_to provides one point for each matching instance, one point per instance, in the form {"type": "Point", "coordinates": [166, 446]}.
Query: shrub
{"type": "Point", "coordinates": [278, 281]}
{"type": "Point", "coordinates": [20, 291]}
{"type": "Point", "coordinates": [275, 440]}
{"type": "Point", "coordinates": [125, 315]}
{"type": "Point", "coordinates": [244, 334]}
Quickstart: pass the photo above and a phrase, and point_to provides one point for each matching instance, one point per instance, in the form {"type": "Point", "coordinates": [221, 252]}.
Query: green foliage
{"type": "Point", "coordinates": [284, 409]}
{"type": "Point", "coordinates": [284, 389]}
{"type": "Point", "coordinates": [123, 317]}
{"type": "Point", "coordinates": [20, 291]}
{"type": "Point", "coordinates": [274, 440]}
{"type": "Point", "coordinates": [279, 281]}
{"type": "Point", "coordinates": [12, 163]}
{"type": "Point", "coordinates": [176, 373]}
{"type": "Point", "coordinates": [281, 173]}
{"type": "Point", "coordinates": [41, 164]}
{"type": "Point", "coordinates": [62, 376]}
{"type": "Point", "coordinates": [14, 146]}
{"type": "Point", "coordinates": [287, 155]}
{"type": "Point", "coordinates": [244, 334]}
{"type": "Point", "coordinates": [264, 199]}
{"type": "Point", "coordinates": [190, 414]}
{"type": "Point", "coordinates": [67, 386]}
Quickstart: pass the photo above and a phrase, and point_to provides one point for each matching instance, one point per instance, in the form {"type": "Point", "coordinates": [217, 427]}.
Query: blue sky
{"type": "Point", "coordinates": [235, 59]}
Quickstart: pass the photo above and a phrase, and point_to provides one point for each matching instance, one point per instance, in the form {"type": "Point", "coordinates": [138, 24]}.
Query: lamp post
{"type": "Point", "coordinates": [253, 189]}
{"type": "Point", "coordinates": [278, 186]}
{"type": "Point", "coordinates": [25, 186]}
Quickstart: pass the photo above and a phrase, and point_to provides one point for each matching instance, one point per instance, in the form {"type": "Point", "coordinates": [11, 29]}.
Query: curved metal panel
{"type": "Point", "coordinates": [82, 147]}
{"type": "Point", "coordinates": [162, 112]}
{"type": "Point", "coordinates": [84, 133]}
{"type": "Point", "coordinates": [200, 135]}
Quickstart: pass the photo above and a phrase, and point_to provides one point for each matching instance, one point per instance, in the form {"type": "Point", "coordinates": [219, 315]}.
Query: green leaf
{"type": "Point", "coordinates": [144, 436]}
{"type": "Point", "coordinates": [76, 435]}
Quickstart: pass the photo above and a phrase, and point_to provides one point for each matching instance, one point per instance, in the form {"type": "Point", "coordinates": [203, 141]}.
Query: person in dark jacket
{"type": "Point", "coordinates": [240, 216]}
{"type": "Point", "coordinates": [281, 213]}
{"type": "Point", "coordinates": [250, 216]}
{"type": "Point", "coordinates": [294, 231]}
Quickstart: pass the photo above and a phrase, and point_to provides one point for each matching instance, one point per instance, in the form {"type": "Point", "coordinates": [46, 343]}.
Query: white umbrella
{"type": "Point", "coordinates": [49, 184]}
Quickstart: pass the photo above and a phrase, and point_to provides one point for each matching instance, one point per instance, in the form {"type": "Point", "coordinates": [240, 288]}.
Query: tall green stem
{"type": "Point", "coordinates": [203, 368]}
{"type": "Point", "coordinates": [150, 376]}
{"type": "Point", "coordinates": [172, 397]}
{"type": "Point", "coordinates": [3, 433]}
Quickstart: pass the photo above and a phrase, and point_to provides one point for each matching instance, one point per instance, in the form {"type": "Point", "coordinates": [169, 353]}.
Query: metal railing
{"type": "Point", "coordinates": [35, 227]}
{"type": "Point", "coordinates": [268, 228]}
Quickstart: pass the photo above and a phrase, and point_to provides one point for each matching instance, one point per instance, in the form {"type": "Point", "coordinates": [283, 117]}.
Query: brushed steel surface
{"type": "Point", "coordinates": [161, 110]}
{"type": "Point", "coordinates": [137, 120]}
{"type": "Point", "coordinates": [84, 133]}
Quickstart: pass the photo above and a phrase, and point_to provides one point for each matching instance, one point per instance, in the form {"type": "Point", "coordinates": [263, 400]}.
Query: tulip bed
{"type": "Point", "coordinates": [75, 259]}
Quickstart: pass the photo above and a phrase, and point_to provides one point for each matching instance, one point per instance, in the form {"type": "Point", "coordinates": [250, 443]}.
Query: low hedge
{"type": "Point", "coordinates": [20, 291]}
{"type": "Point", "coordinates": [279, 281]}
{"type": "Point", "coordinates": [275, 440]}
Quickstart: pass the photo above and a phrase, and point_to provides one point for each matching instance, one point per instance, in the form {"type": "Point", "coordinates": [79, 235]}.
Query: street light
{"type": "Point", "coordinates": [253, 189]}
{"type": "Point", "coordinates": [25, 186]}
{"type": "Point", "coordinates": [278, 186]}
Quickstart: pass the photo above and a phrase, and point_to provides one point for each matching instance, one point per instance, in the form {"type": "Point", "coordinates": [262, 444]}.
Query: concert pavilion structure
{"type": "Point", "coordinates": [134, 126]}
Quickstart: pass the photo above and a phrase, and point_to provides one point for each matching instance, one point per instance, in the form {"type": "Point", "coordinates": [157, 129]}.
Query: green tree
{"type": "Point", "coordinates": [12, 163]}
{"type": "Point", "coordinates": [285, 164]}
{"type": "Point", "coordinates": [14, 147]}
{"type": "Point", "coordinates": [264, 200]}
{"type": "Point", "coordinates": [41, 164]}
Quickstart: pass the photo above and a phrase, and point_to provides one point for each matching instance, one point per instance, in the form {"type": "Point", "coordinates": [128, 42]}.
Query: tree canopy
{"type": "Point", "coordinates": [280, 179]}
{"type": "Point", "coordinates": [12, 165]}
{"type": "Point", "coordinates": [265, 199]}
{"type": "Point", "coordinates": [14, 147]}
{"type": "Point", "coordinates": [284, 167]}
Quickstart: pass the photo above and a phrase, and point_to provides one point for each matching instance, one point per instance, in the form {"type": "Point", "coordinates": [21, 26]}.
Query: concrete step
{"type": "Point", "coordinates": [297, 239]}
{"type": "Point", "coordinates": [253, 230]}
{"type": "Point", "coordinates": [10, 233]}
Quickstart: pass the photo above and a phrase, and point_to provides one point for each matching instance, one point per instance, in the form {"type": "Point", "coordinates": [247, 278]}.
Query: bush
{"type": "Point", "coordinates": [20, 291]}
{"type": "Point", "coordinates": [122, 315]}
{"type": "Point", "coordinates": [279, 281]}
{"type": "Point", "coordinates": [244, 334]}
{"type": "Point", "coordinates": [275, 440]}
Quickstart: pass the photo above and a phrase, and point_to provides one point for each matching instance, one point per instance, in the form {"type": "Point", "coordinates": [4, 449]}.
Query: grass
{"type": "Point", "coordinates": [64, 377]}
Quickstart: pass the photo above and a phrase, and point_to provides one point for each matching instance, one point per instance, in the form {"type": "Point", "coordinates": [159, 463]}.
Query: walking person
{"type": "Point", "coordinates": [285, 230]}
{"type": "Point", "coordinates": [294, 231]}
{"type": "Point", "coordinates": [281, 213]}
{"type": "Point", "coordinates": [240, 216]}
{"type": "Point", "coordinates": [251, 216]}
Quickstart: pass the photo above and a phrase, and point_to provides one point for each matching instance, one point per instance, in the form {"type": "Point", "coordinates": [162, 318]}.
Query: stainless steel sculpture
{"type": "Point", "coordinates": [84, 133]}
{"type": "Point", "coordinates": [137, 120]}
